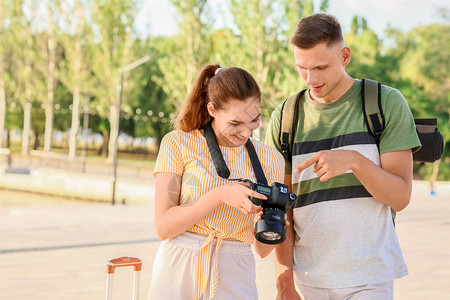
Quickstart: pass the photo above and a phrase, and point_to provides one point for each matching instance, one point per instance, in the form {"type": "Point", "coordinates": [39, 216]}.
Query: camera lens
{"type": "Point", "coordinates": [271, 236]}
{"type": "Point", "coordinates": [270, 229]}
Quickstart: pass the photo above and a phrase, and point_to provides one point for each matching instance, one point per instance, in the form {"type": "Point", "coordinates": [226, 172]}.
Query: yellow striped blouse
{"type": "Point", "coordinates": [187, 154]}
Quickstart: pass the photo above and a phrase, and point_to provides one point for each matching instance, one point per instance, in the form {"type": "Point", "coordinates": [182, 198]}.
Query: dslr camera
{"type": "Point", "coordinates": [270, 229]}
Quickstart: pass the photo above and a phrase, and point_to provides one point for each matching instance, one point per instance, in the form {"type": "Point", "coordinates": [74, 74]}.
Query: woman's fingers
{"type": "Point", "coordinates": [257, 217]}
{"type": "Point", "coordinates": [255, 194]}
{"type": "Point", "coordinates": [250, 207]}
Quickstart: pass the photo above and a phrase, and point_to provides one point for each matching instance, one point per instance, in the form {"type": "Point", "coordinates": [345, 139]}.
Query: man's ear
{"type": "Point", "coordinates": [211, 109]}
{"type": "Point", "coordinates": [346, 56]}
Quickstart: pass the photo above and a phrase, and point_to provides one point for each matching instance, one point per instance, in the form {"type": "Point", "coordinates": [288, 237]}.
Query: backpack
{"type": "Point", "coordinates": [431, 139]}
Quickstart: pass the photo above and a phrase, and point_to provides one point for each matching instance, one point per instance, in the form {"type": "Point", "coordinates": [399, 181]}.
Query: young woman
{"type": "Point", "coordinates": [206, 222]}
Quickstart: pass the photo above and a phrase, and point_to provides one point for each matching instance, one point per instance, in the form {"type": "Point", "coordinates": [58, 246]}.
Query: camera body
{"type": "Point", "coordinates": [270, 229]}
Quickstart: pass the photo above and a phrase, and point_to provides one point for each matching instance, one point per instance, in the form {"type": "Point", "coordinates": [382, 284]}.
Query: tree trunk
{"type": "Point", "coordinates": [27, 82]}
{"type": "Point", "coordinates": [77, 86]}
{"type": "Point", "coordinates": [2, 106]}
{"type": "Point", "coordinates": [113, 139]}
{"type": "Point", "coordinates": [8, 139]}
{"type": "Point", "coordinates": [50, 81]}
{"type": "Point", "coordinates": [36, 140]}
{"type": "Point", "coordinates": [48, 125]}
{"type": "Point", "coordinates": [75, 123]}
{"type": "Point", "coordinates": [104, 149]}
{"type": "Point", "coordinates": [86, 125]}
{"type": "Point", "coordinates": [131, 144]}
{"type": "Point", "coordinates": [26, 125]}
{"type": "Point", "coordinates": [2, 82]}
{"type": "Point", "coordinates": [64, 141]}
{"type": "Point", "coordinates": [114, 118]}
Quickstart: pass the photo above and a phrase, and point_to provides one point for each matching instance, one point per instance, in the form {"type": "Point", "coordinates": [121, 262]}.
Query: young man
{"type": "Point", "coordinates": [343, 242]}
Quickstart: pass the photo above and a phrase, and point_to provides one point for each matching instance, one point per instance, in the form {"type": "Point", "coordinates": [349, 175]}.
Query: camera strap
{"type": "Point", "coordinates": [219, 162]}
{"type": "Point", "coordinates": [256, 164]}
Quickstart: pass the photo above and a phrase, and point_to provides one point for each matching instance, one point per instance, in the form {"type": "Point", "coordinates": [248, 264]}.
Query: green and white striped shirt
{"type": "Point", "coordinates": [344, 237]}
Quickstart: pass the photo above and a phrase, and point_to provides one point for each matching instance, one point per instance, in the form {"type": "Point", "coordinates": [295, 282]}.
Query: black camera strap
{"type": "Point", "coordinates": [219, 162]}
{"type": "Point", "coordinates": [216, 154]}
{"type": "Point", "coordinates": [256, 164]}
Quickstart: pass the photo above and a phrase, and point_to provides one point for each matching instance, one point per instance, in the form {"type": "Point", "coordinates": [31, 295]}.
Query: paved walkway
{"type": "Point", "coordinates": [60, 252]}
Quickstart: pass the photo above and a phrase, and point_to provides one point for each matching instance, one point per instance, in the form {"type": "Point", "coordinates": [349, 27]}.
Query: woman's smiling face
{"type": "Point", "coordinates": [234, 123]}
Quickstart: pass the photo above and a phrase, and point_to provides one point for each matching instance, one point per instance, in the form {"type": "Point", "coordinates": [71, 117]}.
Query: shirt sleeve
{"type": "Point", "coordinates": [273, 136]}
{"type": "Point", "coordinates": [169, 158]}
{"type": "Point", "coordinates": [400, 130]}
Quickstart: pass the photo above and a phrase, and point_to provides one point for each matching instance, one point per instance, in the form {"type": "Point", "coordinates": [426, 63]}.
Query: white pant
{"type": "Point", "coordinates": [175, 266]}
{"type": "Point", "coordinates": [380, 291]}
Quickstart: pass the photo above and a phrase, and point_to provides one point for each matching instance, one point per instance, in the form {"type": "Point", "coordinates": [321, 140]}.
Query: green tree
{"type": "Point", "coordinates": [25, 76]}
{"type": "Point", "coordinates": [50, 72]}
{"type": "Point", "coordinates": [366, 50]}
{"type": "Point", "coordinates": [75, 69]}
{"type": "Point", "coordinates": [145, 100]}
{"type": "Point", "coordinates": [416, 63]}
{"type": "Point", "coordinates": [426, 66]}
{"type": "Point", "coordinates": [186, 52]}
{"type": "Point", "coordinates": [10, 112]}
{"type": "Point", "coordinates": [262, 45]}
{"type": "Point", "coordinates": [3, 50]}
{"type": "Point", "coordinates": [113, 22]}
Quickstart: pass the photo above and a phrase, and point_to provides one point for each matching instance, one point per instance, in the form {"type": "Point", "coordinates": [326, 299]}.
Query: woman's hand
{"type": "Point", "coordinates": [237, 195]}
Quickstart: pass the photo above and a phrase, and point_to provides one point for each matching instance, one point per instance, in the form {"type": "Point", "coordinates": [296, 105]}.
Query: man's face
{"type": "Point", "coordinates": [234, 123]}
{"type": "Point", "coordinates": [323, 70]}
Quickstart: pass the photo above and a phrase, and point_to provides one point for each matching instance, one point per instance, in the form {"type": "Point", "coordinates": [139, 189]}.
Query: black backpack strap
{"type": "Point", "coordinates": [288, 124]}
{"type": "Point", "coordinates": [256, 164]}
{"type": "Point", "coordinates": [371, 103]}
{"type": "Point", "coordinates": [373, 113]}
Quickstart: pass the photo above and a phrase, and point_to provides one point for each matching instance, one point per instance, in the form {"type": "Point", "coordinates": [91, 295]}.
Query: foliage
{"type": "Point", "coordinates": [417, 64]}
{"type": "Point", "coordinates": [90, 56]}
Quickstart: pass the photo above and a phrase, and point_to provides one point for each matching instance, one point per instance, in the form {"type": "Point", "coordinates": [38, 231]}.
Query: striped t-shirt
{"type": "Point", "coordinates": [344, 236]}
{"type": "Point", "coordinates": [187, 154]}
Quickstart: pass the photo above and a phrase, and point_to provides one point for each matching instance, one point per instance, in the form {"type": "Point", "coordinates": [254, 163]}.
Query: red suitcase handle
{"type": "Point", "coordinates": [125, 261]}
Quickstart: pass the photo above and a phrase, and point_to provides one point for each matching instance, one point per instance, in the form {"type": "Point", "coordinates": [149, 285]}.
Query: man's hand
{"type": "Point", "coordinates": [329, 163]}
{"type": "Point", "coordinates": [286, 287]}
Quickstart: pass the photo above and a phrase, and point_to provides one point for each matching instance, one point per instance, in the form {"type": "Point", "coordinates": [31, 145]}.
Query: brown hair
{"type": "Point", "coordinates": [216, 85]}
{"type": "Point", "coordinates": [316, 29]}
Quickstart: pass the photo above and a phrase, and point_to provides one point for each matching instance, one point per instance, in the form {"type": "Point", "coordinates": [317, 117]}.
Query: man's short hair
{"type": "Point", "coordinates": [316, 29]}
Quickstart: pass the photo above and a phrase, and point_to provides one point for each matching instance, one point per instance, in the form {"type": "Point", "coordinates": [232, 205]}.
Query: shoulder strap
{"type": "Point", "coordinates": [216, 154]}
{"type": "Point", "coordinates": [288, 124]}
{"type": "Point", "coordinates": [256, 164]}
{"type": "Point", "coordinates": [219, 161]}
{"type": "Point", "coordinates": [373, 113]}
{"type": "Point", "coordinates": [371, 103]}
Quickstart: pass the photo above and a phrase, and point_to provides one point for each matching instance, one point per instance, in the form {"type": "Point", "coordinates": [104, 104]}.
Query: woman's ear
{"type": "Point", "coordinates": [211, 109]}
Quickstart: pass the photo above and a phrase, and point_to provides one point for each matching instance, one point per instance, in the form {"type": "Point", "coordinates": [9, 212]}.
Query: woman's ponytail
{"type": "Point", "coordinates": [194, 114]}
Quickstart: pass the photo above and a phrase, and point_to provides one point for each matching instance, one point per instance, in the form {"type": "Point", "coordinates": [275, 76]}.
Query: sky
{"type": "Point", "coordinates": [158, 16]}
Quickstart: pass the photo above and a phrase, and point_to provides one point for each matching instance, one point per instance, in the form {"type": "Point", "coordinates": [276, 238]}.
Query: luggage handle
{"type": "Point", "coordinates": [124, 261]}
